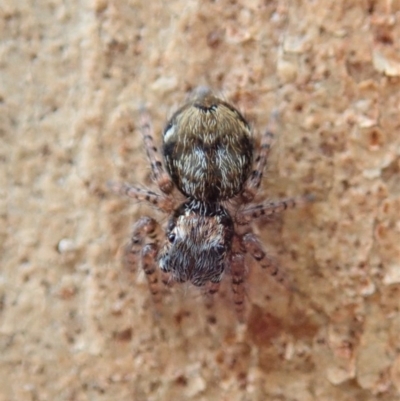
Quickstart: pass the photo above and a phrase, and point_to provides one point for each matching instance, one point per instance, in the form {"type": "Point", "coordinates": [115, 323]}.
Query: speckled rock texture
{"type": "Point", "coordinates": [76, 326]}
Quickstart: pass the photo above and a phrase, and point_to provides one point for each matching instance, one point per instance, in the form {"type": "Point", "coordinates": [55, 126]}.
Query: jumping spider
{"type": "Point", "coordinates": [208, 155]}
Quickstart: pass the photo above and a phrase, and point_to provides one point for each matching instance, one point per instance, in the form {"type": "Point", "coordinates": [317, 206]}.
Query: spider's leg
{"type": "Point", "coordinates": [253, 182]}
{"type": "Point", "coordinates": [254, 247]}
{"type": "Point", "coordinates": [149, 266]}
{"type": "Point", "coordinates": [209, 291]}
{"type": "Point", "coordinates": [145, 227]}
{"type": "Point", "coordinates": [252, 212]}
{"type": "Point", "coordinates": [212, 288]}
{"type": "Point", "coordinates": [167, 279]}
{"type": "Point", "coordinates": [162, 202]}
{"type": "Point", "coordinates": [144, 244]}
{"type": "Point", "coordinates": [238, 278]}
{"type": "Point", "coordinates": [160, 176]}
{"type": "Point", "coordinates": [238, 275]}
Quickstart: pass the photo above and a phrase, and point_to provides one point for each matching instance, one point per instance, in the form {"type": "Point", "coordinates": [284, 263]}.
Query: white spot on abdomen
{"type": "Point", "coordinates": [169, 133]}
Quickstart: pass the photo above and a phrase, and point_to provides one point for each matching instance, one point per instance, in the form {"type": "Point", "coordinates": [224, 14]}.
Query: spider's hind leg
{"type": "Point", "coordinates": [160, 176]}
{"type": "Point", "coordinates": [253, 182]}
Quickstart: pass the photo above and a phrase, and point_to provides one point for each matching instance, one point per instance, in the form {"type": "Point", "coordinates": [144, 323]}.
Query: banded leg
{"type": "Point", "coordinates": [238, 278]}
{"type": "Point", "coordinates": [145, 227]}
{"type": "Point", "coordinates": [162, 202]}
{"type": "Point", "coordinates": [254, 247]}
{"type": "Point", "coordinates": [160, 176]}
{"type": "Point", "coordinates": [149, 266]}
{"type": "Point", "coordinates": [166, 279]}
{"type": "Point", "coordinates": [253, 183]}
{"type": "Point", "coordinates": [252, 212]}
{"type": "Point", "coordinates": [209, 291]}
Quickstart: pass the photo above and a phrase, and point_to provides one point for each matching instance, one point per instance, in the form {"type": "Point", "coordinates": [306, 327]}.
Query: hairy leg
{"type": "Point", "coordinates": [252, 212]}
{"type": "Point", "coordinates": [143, 249]}
{"type": "Point", "coordinates": [253, 182]}
{"type": "Point", "coordinates": [160, 176]}
{"type": "Point", "coordinates": [238, 272]}
{"type": "Point", "coordinates": [162, 202]}
{"type": "Point", "coordinates": [209, 291]}
{"type": "Point", "coordinates": [254, 247]}
{"type": "Point", "coordinates": [145, 227]}
{"type": "Point", "coordinates": [149, 266]}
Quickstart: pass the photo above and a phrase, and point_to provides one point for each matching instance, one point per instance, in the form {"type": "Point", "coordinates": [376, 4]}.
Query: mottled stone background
{"type": "Point", "coordinates": [73, 324]}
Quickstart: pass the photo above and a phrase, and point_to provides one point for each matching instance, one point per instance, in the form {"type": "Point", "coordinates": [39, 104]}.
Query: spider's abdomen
{"type": "Point", "coordinates": [208, 149]}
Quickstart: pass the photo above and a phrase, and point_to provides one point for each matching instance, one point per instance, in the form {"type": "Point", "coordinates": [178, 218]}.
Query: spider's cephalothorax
{"type": "Point", "coordinates": [208, 148]}
{"type": "Point", "coordinates": [209, 157]}
{"type": "Point", "coordinates": [199, 243]}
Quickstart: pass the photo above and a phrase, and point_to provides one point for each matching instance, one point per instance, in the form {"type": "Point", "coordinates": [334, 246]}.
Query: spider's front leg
{"type": "Point", "coordinates": [208, 292]}
{"type": "Point", "coordinates": [238, 270]}
{"type": "Point", "coordinates": [149, 266]}
{"type": "Point", "coordinates": [238, 276]}
{"type": "Point", "coordinates": [145, 243]}
{"type": "Point", "coordinates": [254, 247]}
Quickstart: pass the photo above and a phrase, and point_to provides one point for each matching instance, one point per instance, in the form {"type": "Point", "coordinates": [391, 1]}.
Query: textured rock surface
{"type": "Point", "coordinates": [74, 325]}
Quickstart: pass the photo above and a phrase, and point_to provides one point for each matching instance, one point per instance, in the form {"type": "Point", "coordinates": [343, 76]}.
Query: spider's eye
{"type": "Point", "coordinates": [171, 238]}
{"type": "Point", "coordinates": [220, 250]}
